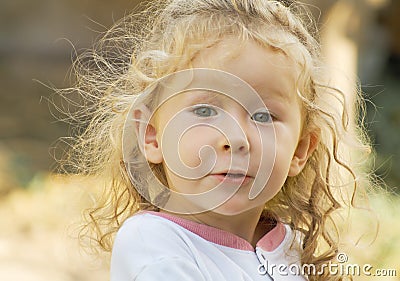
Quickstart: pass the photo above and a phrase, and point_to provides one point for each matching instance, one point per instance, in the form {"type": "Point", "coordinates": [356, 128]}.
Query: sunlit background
{"type": "Point", "coordinates": [39, 212]}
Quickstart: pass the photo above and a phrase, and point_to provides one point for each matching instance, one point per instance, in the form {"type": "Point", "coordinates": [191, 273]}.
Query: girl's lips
{"type": "Point", "coordinates": [236, 179]}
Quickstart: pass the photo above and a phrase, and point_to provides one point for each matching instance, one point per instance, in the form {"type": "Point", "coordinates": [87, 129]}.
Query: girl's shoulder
{"type": "Point", "coordinates": [147, 245]}
{"type": "Point", "coordinates": [145, 227]}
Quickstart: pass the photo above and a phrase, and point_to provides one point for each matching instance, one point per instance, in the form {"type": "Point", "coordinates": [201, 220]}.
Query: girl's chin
{"type": "Point", "coordinates": [235, 206]}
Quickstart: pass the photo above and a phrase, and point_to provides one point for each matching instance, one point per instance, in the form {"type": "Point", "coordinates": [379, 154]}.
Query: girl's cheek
{"type": "Point", "coordinates": [195, 142]}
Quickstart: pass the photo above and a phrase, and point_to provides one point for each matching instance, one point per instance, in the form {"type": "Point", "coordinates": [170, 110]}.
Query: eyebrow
{"type": "Point", "coordinates": [283, 95]}
{"type": "Point", "coordinates": [200, 95]}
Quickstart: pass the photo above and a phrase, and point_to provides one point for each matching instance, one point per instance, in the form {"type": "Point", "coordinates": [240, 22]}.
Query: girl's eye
{"type": "Point", "coordinates": [204, 111]}
{"type": "Point", "coordinates": [262, 117]}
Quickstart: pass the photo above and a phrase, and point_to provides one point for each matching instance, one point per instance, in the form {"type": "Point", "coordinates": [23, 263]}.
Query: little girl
{"type": "Point", "coordinates": [225, 149]}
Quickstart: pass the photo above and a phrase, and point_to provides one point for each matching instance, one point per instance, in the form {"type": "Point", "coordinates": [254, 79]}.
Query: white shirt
{"type": "Point", "coordinates": [155, 246]}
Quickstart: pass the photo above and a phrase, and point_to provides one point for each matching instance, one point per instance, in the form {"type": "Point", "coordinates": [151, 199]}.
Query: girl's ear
{"type": "Point", "coordinates": [305, 147]}
{"type": "Point", "coordinates": [147, 135]}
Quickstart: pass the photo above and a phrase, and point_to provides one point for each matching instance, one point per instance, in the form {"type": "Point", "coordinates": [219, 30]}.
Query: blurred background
{"type": "Point", "coordinates": [39, 211]}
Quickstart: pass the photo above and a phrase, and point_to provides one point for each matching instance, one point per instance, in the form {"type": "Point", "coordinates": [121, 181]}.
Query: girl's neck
{"type": "Point", "coordinates": [245, 225]}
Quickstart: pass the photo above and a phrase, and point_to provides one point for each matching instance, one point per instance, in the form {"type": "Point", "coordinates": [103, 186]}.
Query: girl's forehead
{"type": "Point", "coordinates": [264, 69]}
{"type": "Point", "coordinates": [237, 53]}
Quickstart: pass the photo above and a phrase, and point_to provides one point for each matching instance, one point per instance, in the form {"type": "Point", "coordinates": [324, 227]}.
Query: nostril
{"type": "Point", "coordinates": [227, 146]}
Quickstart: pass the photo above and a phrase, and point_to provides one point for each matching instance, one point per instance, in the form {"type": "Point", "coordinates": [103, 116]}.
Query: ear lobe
{"type": "Point", "coordinates": [147, 135]}
{"type": "Point", "coordinates": [305, 147]}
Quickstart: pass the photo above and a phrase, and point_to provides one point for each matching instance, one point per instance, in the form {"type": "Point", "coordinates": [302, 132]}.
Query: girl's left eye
{"type": "Point", "coordinates": [204, 111]}
{"type": "Point", "coordinates": [262, 117]}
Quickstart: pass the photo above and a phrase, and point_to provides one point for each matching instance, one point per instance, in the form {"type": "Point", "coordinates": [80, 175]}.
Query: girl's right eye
{"type": "Point", "coordinates": [204, 111]}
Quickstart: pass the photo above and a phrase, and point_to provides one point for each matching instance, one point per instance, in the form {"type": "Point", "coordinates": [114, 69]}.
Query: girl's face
{"type": "Point", "coordinates": [259, 150]}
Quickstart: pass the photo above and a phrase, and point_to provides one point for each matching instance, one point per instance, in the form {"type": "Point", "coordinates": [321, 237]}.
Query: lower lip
{"type": "Point", "coordinates": [233, 180]}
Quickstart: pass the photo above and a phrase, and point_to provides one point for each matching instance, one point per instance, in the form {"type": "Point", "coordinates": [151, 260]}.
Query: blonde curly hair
{"type": "Point", "coordinates": [163, 38]}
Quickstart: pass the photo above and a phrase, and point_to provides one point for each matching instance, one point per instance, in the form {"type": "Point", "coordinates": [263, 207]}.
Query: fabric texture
{"type": "Point", "coordinates": [157, 246]}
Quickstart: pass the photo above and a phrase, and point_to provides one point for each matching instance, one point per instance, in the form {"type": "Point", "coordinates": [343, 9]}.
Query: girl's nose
{"type": "Point", "coordinates": [235, 138]}
{"type": "Point", "coordinates": [237, 144]}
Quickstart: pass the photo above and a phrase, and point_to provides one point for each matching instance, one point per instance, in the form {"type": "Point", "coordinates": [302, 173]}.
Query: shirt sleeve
{"type": "Point", "coordinates": [148, 248]}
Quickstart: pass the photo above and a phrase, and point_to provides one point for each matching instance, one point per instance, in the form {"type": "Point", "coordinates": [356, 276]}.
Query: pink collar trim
{"type": "Point", "coordinates": [268, 242]}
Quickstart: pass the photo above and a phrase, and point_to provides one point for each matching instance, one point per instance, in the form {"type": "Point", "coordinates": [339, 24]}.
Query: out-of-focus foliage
{"type": "Point", "coordinates": [379, 71]}
{"type": "Point", "coordinates": [38, 41]}
{"type": "Point", "coordinates": [38, 230]}
{"type": "Point", "coordinates": [384, 124]}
